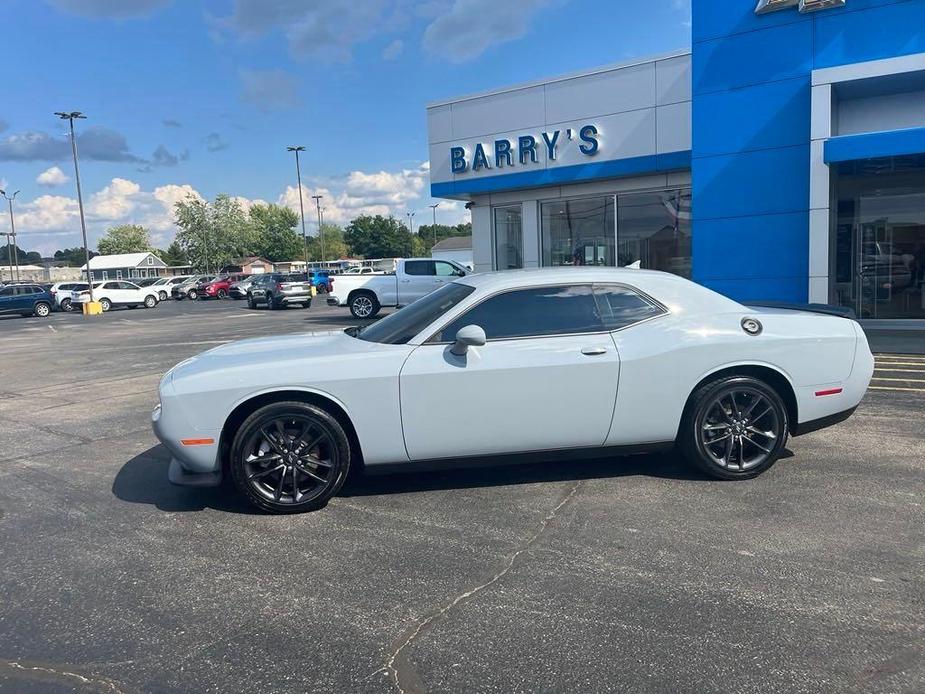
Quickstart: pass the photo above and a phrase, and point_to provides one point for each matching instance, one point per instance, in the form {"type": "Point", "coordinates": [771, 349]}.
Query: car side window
{"type": "Point", "coordinates": [6, 291]}
{"type": "Point", "coordinates": [621, 306]}
{"type": "Point", "coordinates": [445, 269]}
{"type": "Point", "coordinates": [419, 267]}
{"type": "Point", "coordinates": [533, 312]}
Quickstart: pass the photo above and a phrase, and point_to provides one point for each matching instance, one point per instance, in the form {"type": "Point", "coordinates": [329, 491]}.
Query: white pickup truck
{"type": "Point", "coordinates": [412, 279]}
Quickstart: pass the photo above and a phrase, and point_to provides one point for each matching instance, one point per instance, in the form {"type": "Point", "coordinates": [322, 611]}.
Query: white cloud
{"type": "Point", "coordinates": [470, 27]}
{"type": "Point", "coordinates": [393, 50]}
{"type": "Point", "coordinates": [49, 222]}
{"type": "Point", "coordinates": [52, 177]}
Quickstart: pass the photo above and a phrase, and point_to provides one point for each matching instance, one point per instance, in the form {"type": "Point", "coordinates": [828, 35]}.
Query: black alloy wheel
{"type": "Point", "coordinates": [290, 457]}
{"type": "Point", "coordinates": [222, 294]}
{"type": "Point", "coordinates": [66, 305]}
{"type": "Point", "coordinates": [736, 428]}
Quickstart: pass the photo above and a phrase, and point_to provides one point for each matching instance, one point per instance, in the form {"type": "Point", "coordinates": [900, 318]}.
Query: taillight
{"type": "Point", "coordinates": [279, 286]}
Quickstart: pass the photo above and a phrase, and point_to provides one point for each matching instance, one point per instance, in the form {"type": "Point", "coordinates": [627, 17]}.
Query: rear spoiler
{"type": "Point", "coordinates": [827, 309]}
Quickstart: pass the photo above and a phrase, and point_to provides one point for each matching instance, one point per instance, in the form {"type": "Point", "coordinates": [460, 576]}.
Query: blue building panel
{"type": "Point", "coordinates": [787, 289]}
{"type": "Point", "coordinates": [893, 143]}
{"type": "Point", "coordinates": [727, 122]}
{"type": "Point", "coordinates": [776, 53]}
{"type": "Point", "coordinates": [743, 248]}
{"type": "Point", "coordinates": [765, 182]}
{"type": "Point", "coordinates": [884, 31]}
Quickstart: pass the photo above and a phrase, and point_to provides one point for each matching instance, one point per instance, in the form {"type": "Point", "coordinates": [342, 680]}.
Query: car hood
{"type": "Point", "coordinates": [328, 354]}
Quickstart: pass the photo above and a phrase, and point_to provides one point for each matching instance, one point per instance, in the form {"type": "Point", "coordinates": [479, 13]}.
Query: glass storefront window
{"type": "Point", "coordinates": [655, 229]}
{"type": "Point", "coordinates": [509, 238]}
{"type": "Point", "coordinates": [879, 237]}
{"type": "Point", "coordinates": [579, 232]}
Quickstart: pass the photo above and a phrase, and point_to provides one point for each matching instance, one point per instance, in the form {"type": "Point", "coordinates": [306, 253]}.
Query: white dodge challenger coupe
{"type": "Point", "coordinates": [525, 362]}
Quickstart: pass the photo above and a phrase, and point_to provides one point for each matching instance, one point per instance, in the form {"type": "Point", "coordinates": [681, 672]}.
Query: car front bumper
{"type": "Point", "coordinates": [191, 465]}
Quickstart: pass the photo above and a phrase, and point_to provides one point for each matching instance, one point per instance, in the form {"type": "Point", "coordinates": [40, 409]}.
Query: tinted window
{"type": "Point", "coordinates": [419, 267]}
{"type": "Point", "coordinates": [532, 312]}
{"type": "Point", "coordinates": [401, 326]}
{"type": "Point", "coordinates": [621, 306]}
{"type": "Point", "coordinates": [7, 291]}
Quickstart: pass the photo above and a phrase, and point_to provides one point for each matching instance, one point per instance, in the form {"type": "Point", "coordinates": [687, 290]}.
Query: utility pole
{"type": "Point", "coordinates": [317, 199]}
{"type": "Point", "coordinates": [70, 116]}
{"type": "Point", "coordinates": [410, 216]}
{"type": "Point", "coordinates": [13, 234]}
{"type": "Point", "coordinates": [434, 208]}
{"type": "Point", "coordinates": [298, 173]}
{"type": "Point", "coordinates": [9, 253]}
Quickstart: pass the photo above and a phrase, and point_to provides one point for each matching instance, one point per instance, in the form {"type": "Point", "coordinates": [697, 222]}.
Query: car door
{"type": "Point", "coordinates": [545, 379]}
{"type": "Point", "coordinates": [132, 292]}
{"type": "Point", "coordinates": [416, 281]}
{"type": "Point", "coordinates": [7, 299]}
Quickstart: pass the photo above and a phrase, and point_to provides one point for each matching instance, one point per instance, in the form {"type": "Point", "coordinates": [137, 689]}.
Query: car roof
{"type": "Point", "coordinates": [674, 291]}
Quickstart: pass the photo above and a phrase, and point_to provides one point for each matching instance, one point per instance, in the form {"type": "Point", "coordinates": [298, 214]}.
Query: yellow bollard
{"type": "Point", "coordinates": [92, 308]}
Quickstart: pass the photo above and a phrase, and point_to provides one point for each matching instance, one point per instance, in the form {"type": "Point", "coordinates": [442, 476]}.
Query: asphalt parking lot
{"type": "Point", "coordinates": [632, 574]}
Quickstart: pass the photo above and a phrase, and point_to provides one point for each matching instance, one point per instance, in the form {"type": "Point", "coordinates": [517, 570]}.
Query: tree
{"type": "Point", "coordinates": [213, 234]}
{"type": "Point", "coordinates": [274, 227]}
{"type": "Point", "coordinates": [174, 255]}
{"type": "Point", "coordinates": [426, 233]}
{"type": "Point", "coordinates": [378, 237]}
{"type": "Point", "coordinates": [20, 255]}
{"type": "Point", "coordinates": [125, 238]}
{"type": "Point", "coordinates": [74, 257]}
{"type": "Point", "coordinates": [335, 246]}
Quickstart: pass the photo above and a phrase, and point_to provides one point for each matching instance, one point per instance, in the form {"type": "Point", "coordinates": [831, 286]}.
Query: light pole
{"type": "Point", "coordinates": [298, 173]}
{"type": "Point", "coordinates": [70, 116]}
{"type": "Point", "coordinates": [9, 252]}
{"type": "Point", "coordinates": [410, 216]}
{"type": "Point", "coordinates": [13, 234]}
{"type": "Point", "coordinates": [434, 208]}
{"type": "Point", "coordinates": [317, 199]}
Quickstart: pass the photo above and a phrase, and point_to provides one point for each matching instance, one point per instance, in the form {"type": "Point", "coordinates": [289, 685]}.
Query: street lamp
{"type": "Point", "coordinates": [434, 208]}
{"type": "Point", "coordinates": [410, 216]}
{"type": "Point", "coordinates": [13, 234]}
{"type": "Point", "coordinates": [298, 173]}
{"type": "Point", "coordinates": [70, 116]}
{"type": "Point", "coordinates": [317, 199]}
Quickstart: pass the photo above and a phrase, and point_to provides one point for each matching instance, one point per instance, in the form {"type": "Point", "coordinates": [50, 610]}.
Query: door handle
{"type": "Point", "coordinates": [593, 351]}
{"type": "Point", "coordinates": [405, 281]}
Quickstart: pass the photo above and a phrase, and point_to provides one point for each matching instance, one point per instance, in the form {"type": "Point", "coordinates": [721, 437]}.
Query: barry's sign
{"type": "Point", "coordinates": [504, 152]}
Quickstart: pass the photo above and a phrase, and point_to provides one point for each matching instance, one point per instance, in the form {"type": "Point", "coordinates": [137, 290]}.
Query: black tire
{"type": "Point", "coordinates": [162, 295]}
{"type": "Point", "coordinates": [192, 295]}
{"type": "Point", "coordinates": [288, 441]}
{"type": "Point", "coordinates": [307, 304]}
{"type": "Point", "coordinates": [364, 305]}
{"type": "Point", "coordinates": [734, 428]}
{"type": "Point", "coordinates": [41, 309]}
{"type": "Point", "coordinates": [271, 303]}
{"type": "Point", "coordinates": [150, 301]}
{"type": "Point", "coordinates": [105, 304]}
{"type": "Point", "coordinates": [66, 305]}
{"type": "Point", "coordinates": [222, 294]}
{"type": "Point", "coordinates": [131, 306]}
{"type": "Point", "coordinates": [250, 302]}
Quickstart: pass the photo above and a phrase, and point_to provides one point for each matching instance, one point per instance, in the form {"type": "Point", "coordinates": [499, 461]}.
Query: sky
{"type": "Point", "coordinates": [190, 97]}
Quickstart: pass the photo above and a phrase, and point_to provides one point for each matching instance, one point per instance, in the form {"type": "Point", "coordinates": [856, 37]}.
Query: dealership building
{"type": "Point", "coordinates": [781, 158]}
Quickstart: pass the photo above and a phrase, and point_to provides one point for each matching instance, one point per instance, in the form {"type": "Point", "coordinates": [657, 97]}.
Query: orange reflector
{"type": "Point", "coordinates": [830, 391]}
{"type": "Point", "coordinates": [197, 442]}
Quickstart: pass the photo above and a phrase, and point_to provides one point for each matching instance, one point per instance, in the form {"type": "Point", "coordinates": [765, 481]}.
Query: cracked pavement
{"type": "Point", "coordinates": [630, 574]}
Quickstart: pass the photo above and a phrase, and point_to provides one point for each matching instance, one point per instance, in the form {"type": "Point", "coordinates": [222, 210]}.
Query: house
{"type": "Point", "coordinates": [126, 266]}
{"type": "Point", "coordinates": [455, 248]}
{"type": "Point", "coordinates": [254, 265]}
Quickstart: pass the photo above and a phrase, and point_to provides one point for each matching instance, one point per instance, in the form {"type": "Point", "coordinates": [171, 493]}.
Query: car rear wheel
{"type": "Point", "coordinates": [364, 305]}
{"type": "Point", "coordinates": [66, 305]}
{"type": "Point", "coordinates": [734, 428]}
{"type": "Point", "coordinates": [289, 457]}
{"type": "Point", "coordinates": [42, 310]}
{"type": "Point", "coordinates": [162, 295]}
{"type": "Point", "coordinates": [150, 301]}
{"type": "Point", "coordinates": [105, 304]}
{"type": "Point", "coordinates": [250, 302]}
{"type": "Point", "coordinates": [222, 294]}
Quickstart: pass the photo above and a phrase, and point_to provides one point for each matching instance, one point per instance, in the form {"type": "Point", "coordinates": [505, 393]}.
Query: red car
{"type": "Point", "coordinates": [218, 288]}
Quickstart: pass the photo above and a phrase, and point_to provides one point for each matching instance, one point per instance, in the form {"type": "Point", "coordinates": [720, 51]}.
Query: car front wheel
{"type": "Point", "coordinates": [192, 294]}
{"type": "Point", "coordinates": [150, 301]}
{"type": "Point", "coordinates": [364, 305]}
{"type": "Point", "coordinates": [734, 428]}
{"type": "Point", "coordinates": [66, 305]}
{"type": "Point", "coordinates": [42, 310]}
{"type": "Point", "coordinates": [162, 295]}
{"type": "Point", "coordinates": [289, 457]}
{"type": "Point", "coordinates": [250, 302]}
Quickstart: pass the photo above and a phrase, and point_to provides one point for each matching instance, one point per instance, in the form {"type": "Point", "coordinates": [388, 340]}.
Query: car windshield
{"type": "Point", "coordinates": [401, 326]}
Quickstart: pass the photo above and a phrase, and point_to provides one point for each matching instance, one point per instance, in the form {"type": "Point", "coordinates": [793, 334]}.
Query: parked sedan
{"type": "Point", "coordinates": [277, 290]}
{"type": "Point", "coordinates": [594, 360]}
{"type": "Point", "coordinates": [25, 299]}
{"type": "Point", "coordinates": [111, 293]}
{"type": "Point", "coordinates": [190, 287]}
